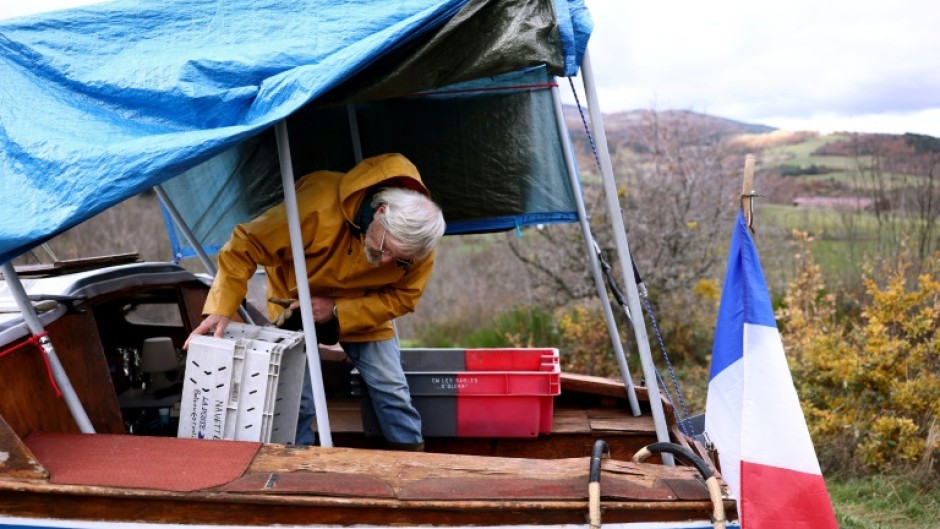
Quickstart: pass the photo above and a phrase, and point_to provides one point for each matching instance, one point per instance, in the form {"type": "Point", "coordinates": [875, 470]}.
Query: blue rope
{"type": "Point", "coordinates": [685, 422]}
{"type": "Point", "coordinates": [587, 130]}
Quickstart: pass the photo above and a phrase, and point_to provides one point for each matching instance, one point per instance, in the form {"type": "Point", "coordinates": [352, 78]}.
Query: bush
{"type": "Point", "coordinates": [870, 387]}
{"type": "Point", "coordinates": [517, 327]}
{"type": "Point", "coordinates": [586, 341]}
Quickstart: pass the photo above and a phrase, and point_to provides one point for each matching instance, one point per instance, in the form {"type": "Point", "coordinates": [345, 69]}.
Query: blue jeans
{"type": "Point", "coordinates": [379, 364]}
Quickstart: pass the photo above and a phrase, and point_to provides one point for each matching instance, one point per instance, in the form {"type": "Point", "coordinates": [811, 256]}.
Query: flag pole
{"type": "Point", "coordinates": [747, 191]}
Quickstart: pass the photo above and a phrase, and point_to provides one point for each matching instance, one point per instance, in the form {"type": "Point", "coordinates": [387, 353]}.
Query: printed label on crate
{"type": "Point", "coordinates": [453, 382]}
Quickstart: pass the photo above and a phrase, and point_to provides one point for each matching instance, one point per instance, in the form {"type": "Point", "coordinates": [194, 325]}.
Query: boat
{"type": "Point", "coordinates": [86, 440]}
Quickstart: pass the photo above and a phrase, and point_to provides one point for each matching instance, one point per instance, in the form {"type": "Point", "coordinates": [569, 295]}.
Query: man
{"type": "Point", "coordinates": [369, 237]}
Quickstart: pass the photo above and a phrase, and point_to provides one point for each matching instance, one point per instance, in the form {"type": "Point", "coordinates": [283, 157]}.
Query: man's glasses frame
{"type": "Point", "coordinates": [404, 263]}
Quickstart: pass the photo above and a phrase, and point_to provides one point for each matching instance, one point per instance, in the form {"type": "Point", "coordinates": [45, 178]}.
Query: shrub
{"type": "Point", "coordinates": [586, 341]}
{"type": "Point", "coordinates": [517, 327]}
{"type": "Point", "coordinates": [870, 387]}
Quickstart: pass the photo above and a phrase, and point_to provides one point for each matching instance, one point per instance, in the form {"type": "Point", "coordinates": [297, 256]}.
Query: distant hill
{"type": "Point", "coordinates": [629, 129]}
{"type": "Point", "coordinates": [792, 165]}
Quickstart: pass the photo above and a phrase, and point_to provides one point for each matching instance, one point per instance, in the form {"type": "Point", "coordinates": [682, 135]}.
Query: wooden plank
{"type": "Point", "coordinates": [193, 298]}
{"type": "Point", "coordinates": [605, 421]}
{"type": "Point", "coordinates": [490, 489]}
{"type": "Point", "coordinates": [298, 510]}
{"type": "Point", "coordinates": [572, 382]}
{"type": "Point", "coordinates": [595, 385]}
{"type": "Point", "coordinates": [27, 397]}
{"type": "Point", "coordinates": [71, 266]}
{"type": "Point", "coordinates": [16, 461]}
{"type": "Point", "coordinates": [78, 345]}
{"type": "Point", "coordinates": [570, 421]}
{"type": "Point", "coordinates": [315, 483]}
{"type": "Point", "coordinates": [687, 489]}
{"type": "Point", "coordinates": [612, 486]}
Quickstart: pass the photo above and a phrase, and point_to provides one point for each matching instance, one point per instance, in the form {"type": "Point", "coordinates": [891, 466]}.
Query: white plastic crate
{"type": "Point", "coordinates": [244, 386]}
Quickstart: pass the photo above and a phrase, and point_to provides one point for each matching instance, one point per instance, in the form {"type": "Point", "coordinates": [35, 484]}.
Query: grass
{"type": "Point", "coordinates": [838, 248]}
{"type": "Point", "coordinates": [842, 239]}
{"type": "Point", "coordinates": [799, 153]}
{"type": "Point", "coordinates": [884, 502]}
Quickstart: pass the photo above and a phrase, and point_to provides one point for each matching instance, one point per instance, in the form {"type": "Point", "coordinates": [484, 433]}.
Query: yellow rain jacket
{"type": "Point", "coordinates": [367, 297]}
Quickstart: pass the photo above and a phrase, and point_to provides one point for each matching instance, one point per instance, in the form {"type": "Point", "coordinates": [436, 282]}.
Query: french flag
{"type": "Point", "coordinates": [753, 414]}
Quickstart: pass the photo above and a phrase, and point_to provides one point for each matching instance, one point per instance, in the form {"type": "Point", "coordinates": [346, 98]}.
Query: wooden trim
{"type": "Point", "coordinates": [18, 461]}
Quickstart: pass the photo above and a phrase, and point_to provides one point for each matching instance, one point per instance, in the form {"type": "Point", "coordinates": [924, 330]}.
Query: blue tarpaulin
{"type": "Point", "coordinates": [100, 103]}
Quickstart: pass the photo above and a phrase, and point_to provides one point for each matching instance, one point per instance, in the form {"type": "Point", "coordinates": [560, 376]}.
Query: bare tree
{"type": "Point", "coordinates": [678, 196]}
{"type": "Point", "coordinates": [679, 199]}
{"type": "Point", "coordinates": [924, 193]}
{"type": "Point", "coordinates": [899, 174]}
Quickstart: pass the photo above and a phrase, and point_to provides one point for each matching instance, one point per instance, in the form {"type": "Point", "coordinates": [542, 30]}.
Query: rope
{"type": "Point", "coordinates": [686, 423]}
{"type": "Point", "coordinates": [34, 340]}
{"type": "Point", "coordinates": [587, 129]}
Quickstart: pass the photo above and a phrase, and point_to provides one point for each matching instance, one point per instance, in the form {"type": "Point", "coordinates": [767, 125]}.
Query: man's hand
{"type": "Point", "coordinates": [213, 322]}
{"type": "Point", "coordinates": [322, 309]}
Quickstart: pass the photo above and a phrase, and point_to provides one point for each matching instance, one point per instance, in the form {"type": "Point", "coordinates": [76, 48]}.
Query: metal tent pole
{"type": "Point", "coordinates": [354, 131]}
{"type": "Point", "coordinates": [623, 254]}
{"type": "Point", "coordinates": [191, 239]}
{"type": "Point", "coordinates": [35, 327]}
{"type": "Point", "coordinates": [303, 286]}
{"type": "Point", "coordinates": [592, 255]}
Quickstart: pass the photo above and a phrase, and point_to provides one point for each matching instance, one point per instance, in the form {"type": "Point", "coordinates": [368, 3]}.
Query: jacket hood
{"type": "Point", "coordinates": [385, 170]}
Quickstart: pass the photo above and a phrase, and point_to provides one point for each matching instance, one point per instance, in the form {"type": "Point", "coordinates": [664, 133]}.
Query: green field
{"type": "Point", "coordinates": [842, 241]}
{"type": "Point", "coordinates": [884, 502]}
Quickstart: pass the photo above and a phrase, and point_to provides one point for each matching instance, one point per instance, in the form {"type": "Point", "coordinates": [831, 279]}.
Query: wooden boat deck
{"type": "Point", "coordinates": [286, 485]}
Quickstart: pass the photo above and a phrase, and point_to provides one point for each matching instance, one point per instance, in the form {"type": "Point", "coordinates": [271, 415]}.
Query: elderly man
{"type": "Point", "coordinates": [369, 238]}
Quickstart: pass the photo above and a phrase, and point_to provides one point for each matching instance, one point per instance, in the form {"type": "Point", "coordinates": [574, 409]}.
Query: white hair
{"type": "Point", "coordinates": [415, 221]}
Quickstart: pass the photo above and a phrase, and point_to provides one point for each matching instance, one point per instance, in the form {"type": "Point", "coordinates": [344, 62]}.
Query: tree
{"type": "Point", "coordinates": [678, 198]}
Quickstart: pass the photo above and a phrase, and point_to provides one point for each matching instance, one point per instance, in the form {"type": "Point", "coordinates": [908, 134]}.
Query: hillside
{"type": "Point", "coordinates": [791, 165]}
{"type": "Point", "coordinates": [627, 129]}
{"type": "Point", "coordinates": [628, 122]}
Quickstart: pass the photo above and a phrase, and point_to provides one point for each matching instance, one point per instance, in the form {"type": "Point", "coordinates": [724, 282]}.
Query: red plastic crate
{"type": "Point", "coordinates": [510, 359]}
{"type": "Point", "coordinates": [499, 393]}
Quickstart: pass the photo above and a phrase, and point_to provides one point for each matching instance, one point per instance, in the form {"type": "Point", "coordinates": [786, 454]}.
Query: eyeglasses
{"type": "Point", "coordinates": [382, 250]}
{"type": "Point", "coordinates": [404, 263]}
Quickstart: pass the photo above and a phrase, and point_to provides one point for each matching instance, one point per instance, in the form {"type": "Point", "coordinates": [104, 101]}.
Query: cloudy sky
{"type": "Point", "coordinates": [824, 65]}
{"type": "Point", "coordinates": [862, 65]}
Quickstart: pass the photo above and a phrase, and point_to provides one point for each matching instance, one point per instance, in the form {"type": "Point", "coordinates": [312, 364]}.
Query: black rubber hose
{"type": "Point", "coordinates": [683, 454]}
{"type": "Point", "coordinates": [719, 520]}
{"type": "Point", "coordinates": [594, 484]}
{"type": "Point", "coordinates": [600, 448]}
